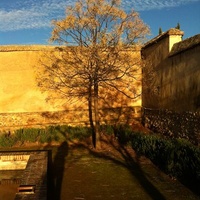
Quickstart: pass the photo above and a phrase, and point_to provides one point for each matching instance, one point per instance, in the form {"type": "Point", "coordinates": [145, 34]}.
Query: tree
{"type": "Point", "coordinates": [97, 38]}
{"type": "Point", "coordinates": [178, 26]}
{"type": "Point", "coordinates": [160, 31]}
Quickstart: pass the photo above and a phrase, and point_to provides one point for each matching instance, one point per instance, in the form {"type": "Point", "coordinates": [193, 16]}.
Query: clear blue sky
{"type": "Point", "coordinates": [29, 21]}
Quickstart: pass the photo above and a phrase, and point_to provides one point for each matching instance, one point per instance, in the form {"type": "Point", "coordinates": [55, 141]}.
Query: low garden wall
{"type": "Point", "coordinates": [12, 121]}
{"type": "Point", "coordinates": [173, 124]}
{"type": "Point", "coordinates": [9, 121]}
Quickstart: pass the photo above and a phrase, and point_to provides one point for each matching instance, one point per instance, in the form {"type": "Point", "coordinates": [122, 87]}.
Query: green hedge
{"type": "Point", "coordinates": [178, 158]}
{"type": "Point", "coordinates": [43, 135]}
{"type": "Point", "coordinates": [7, 141]}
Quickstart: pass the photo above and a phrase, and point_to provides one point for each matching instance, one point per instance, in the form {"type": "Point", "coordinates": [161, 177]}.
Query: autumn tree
{"type": "Point", "coordinates": [96, 38]}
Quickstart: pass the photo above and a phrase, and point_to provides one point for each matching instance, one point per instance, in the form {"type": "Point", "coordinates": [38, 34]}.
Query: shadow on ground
{"type": "Point", "coordinates": [113, 172]}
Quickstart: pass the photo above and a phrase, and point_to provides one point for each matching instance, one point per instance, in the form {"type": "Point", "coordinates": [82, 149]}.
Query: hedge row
{"type": "Point", "coordinates": [178, 158]}
{"type": "Point", "coordinates": [43, 135]}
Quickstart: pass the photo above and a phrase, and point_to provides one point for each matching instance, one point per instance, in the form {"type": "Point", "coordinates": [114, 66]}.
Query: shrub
{"type": "Point", "coordinates": [178, 158]}
{"type": "Point", "coordinates": [123, 132]}
{"type": "Point", "coordinates": [27, 135]}
{"type": "Point", "coordinates": [57, 133]}
{"type": "Point", "coordinates": [107, 129]}
{"type": "Point", "coordinates": [78, 132]}
{"type": "Point", "coordinates": [7, 141]}
{"type": "Point", "coordinates": [44, 136]}
{"type": "Point", "coordinates": [186, 160]}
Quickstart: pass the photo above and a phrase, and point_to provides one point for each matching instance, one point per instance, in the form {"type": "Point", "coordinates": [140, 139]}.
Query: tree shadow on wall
{"type": "Point", "coordinates": [117, 108]}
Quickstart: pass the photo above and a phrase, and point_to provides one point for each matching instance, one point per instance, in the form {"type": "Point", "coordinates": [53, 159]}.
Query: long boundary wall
{"type": "Point", "coordinates": [23, 104]}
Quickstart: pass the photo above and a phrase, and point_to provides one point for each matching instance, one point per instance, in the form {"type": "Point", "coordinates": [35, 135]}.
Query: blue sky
{"type": "Point", "coordinates": [29, 21]}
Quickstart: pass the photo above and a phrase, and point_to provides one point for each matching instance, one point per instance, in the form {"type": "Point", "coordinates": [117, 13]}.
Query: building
{"type": "Point", "coordinates": [171, 84]}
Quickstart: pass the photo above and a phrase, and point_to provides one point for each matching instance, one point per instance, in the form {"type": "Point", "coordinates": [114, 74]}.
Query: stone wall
{"type": "Point", "coordinates": [173, 124]}
{"type": "Point", "coordinates": [12, 121]}
{"type": "Point", "coordinates": [171, 85]}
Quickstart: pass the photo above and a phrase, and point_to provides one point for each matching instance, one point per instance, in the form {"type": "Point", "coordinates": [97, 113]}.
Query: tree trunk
{"type": "Point", "coordinates": [96, 115]}
{"type": "Point", "coordinates": [91, 116]}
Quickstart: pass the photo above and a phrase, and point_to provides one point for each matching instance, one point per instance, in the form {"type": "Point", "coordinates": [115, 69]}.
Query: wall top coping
{"type": "Point", "coordinates": [185, 45]}
{"type": "Point", "coordinates": [8, 48]}
{"type": "Point", "coordinates": [172, 31]}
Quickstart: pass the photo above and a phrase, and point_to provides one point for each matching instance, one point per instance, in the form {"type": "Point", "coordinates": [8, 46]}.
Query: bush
{"type": "Point", "coordinates": [7, 141]}
{"type": "Point", "coordinates": [44, 136]}
{"type": "Point", "coordinates": [107, 129]}
{"type": "Point", "coordinates": [78, 132]}
{"type": "Point", "coordinates": [123, 132]}
{"type": "Point", "coordinates": [186, 160]}
{"type": "Point", "coordinates": [178, 158]}
{"type": "Point", "coordinates": [27, 135]}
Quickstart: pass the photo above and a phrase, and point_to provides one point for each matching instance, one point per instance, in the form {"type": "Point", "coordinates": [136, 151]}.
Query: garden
{"type": "Point", "coordinates": [129, 165]}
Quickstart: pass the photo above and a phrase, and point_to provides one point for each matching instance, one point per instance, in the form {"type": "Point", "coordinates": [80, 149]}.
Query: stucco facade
{"type": "Point", "coordinates": [174, 71]}
{"type": "Point", "coordinates": [171, 85]}
{"type": "Point", "coordinates": [19, 91]}
{"type": "Point", "coordinates": [22, 102]}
